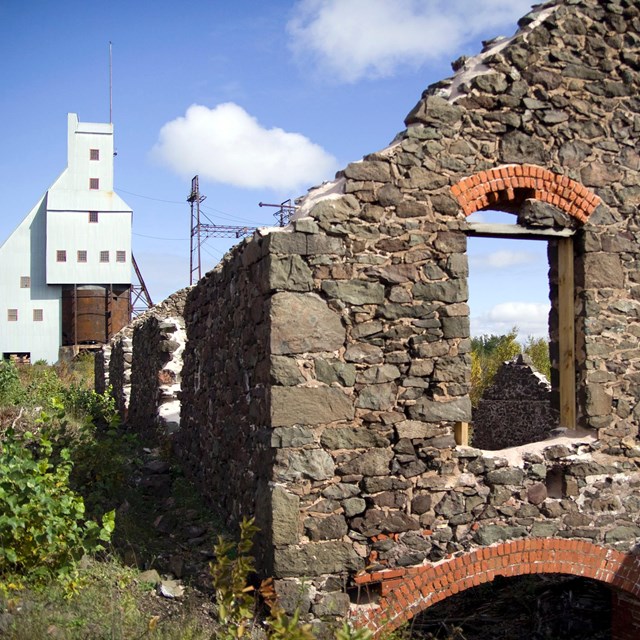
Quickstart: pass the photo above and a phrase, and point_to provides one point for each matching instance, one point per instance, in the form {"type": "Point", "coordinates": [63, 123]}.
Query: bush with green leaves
{"type": "Point", "coordinates": [43, 530]}
{"type": "Point", "coordinates": [11, 392]}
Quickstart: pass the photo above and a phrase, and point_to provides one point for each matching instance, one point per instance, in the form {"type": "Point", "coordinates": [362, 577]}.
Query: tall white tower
{"type": "Point", "coordinates": [65, 272]}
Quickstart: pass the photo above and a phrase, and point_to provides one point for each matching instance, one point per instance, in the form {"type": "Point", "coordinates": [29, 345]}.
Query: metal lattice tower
{"type": "Point", "coordinates": [202, 231]}
{"type": "Point", "coordinates": [285, 210]}
{"type": "Point", "coordinates": [140, 299]}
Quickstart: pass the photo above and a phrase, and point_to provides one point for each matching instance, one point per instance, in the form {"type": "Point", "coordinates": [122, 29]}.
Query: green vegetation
{"type": "Point", "coordinates": [65, 466]}
{"type": "Point", "coordinates": [488, 352]}
{"type": "Point", "coordinates": [43, 532]}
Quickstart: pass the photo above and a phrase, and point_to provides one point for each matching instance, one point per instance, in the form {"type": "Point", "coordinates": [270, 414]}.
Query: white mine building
{"type": "Point", "coordinates": [65, 272]}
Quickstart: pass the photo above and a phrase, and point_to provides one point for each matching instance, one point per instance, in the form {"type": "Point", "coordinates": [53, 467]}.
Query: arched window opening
{"type": "Point", "coordinates": [522, 323]}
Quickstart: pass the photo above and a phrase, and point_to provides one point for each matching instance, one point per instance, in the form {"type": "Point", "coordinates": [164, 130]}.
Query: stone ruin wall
{"type": "Point", "coordinates": [113, 363]}
{"type": "Point", "coordinates": [515, 409]}
{"type": "Point", "coordinates": [328, 363]}
{"type": "Point", "coordinates": [365, 468]}
{"type": "Point", "coordinates": [156, 366]}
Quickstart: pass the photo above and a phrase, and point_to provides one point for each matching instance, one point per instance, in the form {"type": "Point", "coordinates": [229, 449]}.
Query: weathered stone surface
{"type": "Point", "coordinates": [316, 558]}
{"type": "Point", "coordinates": [449, 291]}
{"type": "Point", "coordinates": [336, 603]}
{"type": "Point", "coordinates": [290, 272]}
{"type": "Point", "coordinates": [353, 506]}
{"type": "Point", "coordinates": [277, 392]}
{"type": "Point", "coordinates": [285, 371]}
{"type": "Point", "coordinates": [286, 514]}
{"type": "Point", "coordinates": [352, 438]}
{"type": "Point", "coordinates": [369, 170]}
{"type": "Point", "coordinates": [316, 464]}
{"type": "Point", "coordinates": [354, 291]}
{"type": "Point", "coordinates": [376, 521]}
{"type": "Point", "coordinates": [363, 352]}
{"type": "Point", "coordinates": [414, 429]}
{"type": "Point", "coordinates": [332, 527]}
{"type": "Point", "coordinates": [427, 410]}
{"type": "Point", "coordinates": [316, 328]}
{"type": "Point", "coordinates": [291, 437]}
{"type": "Point", "coordinates": [537, 493]}
{"type": "Point", "coordinates": [506, 475]}
{"type": "Point", "coordinates": [518, 147]}
{"type": "Point", "coordinates": [378, 397]}
{"type": "Point", "coordinates": [374, 462]}
{"type": "Point", "coordinates": [305, 406]}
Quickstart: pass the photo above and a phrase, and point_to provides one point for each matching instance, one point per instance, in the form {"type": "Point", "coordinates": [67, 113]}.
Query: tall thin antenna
{"type": "Point", "coordinates": [110, 83]}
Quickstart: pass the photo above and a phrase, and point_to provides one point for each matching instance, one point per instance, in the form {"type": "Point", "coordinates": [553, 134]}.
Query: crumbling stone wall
{"type": "Point", "coordinates": [154, 408]}
{"type": "Point", "coordinates": [515, 409]}
{"type": "Point", "coordinates": [327, 364]}
{"type": "Point", "coordinates": [112, 365]}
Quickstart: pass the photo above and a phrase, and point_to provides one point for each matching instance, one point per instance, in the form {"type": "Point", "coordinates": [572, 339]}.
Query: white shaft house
{"type": "Point", "coordinates": [65, 272]}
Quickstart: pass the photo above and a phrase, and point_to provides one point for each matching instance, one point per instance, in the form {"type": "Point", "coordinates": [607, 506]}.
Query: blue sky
{"type": "Point", "coordinates": [262, 99]}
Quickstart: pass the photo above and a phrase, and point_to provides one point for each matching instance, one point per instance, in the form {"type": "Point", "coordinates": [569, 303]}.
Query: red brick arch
{"type": "Point", "coordinates": [405, 592]}
{"type": "Point", "coordinates": [513, 182]}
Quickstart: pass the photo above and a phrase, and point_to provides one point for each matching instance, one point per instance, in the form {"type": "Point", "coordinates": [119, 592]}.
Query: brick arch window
{"type": "Point", "coordinates": [402, 593]}
{"type": "Point", "coordinates": [514, 183]}
{"type": "Point", "coordinates": [508, 188]}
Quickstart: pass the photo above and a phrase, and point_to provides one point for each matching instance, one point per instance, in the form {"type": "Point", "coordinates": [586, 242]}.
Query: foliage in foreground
{"type": "Point", "coordinates": [43, 531]}
{"type": "Point", "coordinates": [488, 352]}
{"type": "Point", "coordinates": [236, 599]}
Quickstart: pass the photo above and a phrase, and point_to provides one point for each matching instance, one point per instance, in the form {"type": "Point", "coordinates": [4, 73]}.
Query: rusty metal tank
{"type": "Point", "coordinates": [91, 314]}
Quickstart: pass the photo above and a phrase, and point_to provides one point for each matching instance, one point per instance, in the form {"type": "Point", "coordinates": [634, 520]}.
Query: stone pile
{"type": "Point", "coordinates": [515, 409]}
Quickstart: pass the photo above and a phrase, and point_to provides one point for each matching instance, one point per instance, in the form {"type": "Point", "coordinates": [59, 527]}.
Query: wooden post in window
{"type": "Point", "coordinates": [566, 336]}
{"type": "Point", "coordinates": [461, 433]}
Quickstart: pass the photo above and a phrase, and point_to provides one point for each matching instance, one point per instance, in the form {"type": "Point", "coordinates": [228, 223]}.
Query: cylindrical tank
{"type": "Point", "coordinates": [91, 314]}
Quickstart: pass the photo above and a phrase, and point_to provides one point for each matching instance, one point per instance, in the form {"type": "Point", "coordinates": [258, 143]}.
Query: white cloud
{"type": "Point", "coordinates": [531, 318]}
{"type": "Point", "coordinates": [227, 145]}
{"type": "Point", "coordinates": [502, 259]}
{"type": "Point", "coordinates": [355, 39]}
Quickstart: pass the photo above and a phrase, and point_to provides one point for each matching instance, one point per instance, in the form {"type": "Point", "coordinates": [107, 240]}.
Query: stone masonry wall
{"type": "Point", "coordinates": [156, 367]}
{"type": "Point", "coordinates": [516, 409]}
{"type": "Point", "coordinates": [327, 364]}
{"type": "Point", "coordinates": [112, 365]}
{"type": "Point", "coordinates": [224, 437]}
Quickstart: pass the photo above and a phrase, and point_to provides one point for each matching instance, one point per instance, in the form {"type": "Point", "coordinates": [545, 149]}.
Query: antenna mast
{"type": "Point", "coordinates": [110, 83]}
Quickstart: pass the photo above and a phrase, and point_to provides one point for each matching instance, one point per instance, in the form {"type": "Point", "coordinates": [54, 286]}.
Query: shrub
{"type": "Point", "coordinates": [43, 533]}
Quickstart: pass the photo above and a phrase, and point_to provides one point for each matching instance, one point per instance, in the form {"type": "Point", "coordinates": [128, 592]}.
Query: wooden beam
{"type": "Point", "coordinates": [566, 336]}
{"type": "Point", "coordinates": [461, 433]}
{"type": "Point", "coordinates": [491, 230]}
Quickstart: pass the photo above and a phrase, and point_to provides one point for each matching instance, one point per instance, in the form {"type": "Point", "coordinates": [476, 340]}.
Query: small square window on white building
{"type": "Point", "coordinates": [104, 256]}
{"type": "Point", "coordinates": [94, 154]}
{"type": "Point", "coordinates": [121, 256]}
{"type": "Point", "coordinates": [93, 216]}
{"type": "Point", "coordinates": [82, 256]}
{"type": "Point", "coordinates": [38, 315]}
{"type": "Point", "coordinates": [61, 255]}
{"type": "Point", "coordinates": [94, 183]}
{"type": "Point", "coordinates": [12, 315]}
{"type": "Point", "coordinates": [25, 282]}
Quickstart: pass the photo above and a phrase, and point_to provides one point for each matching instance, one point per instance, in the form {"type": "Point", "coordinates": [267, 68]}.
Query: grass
{"type": "Point", "coordinates": [112, 604]}
{"type": "Point", "coordinates": [110, 600]}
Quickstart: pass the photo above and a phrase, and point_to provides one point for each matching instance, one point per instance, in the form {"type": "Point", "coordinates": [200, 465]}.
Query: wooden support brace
{"type": "Point", "coordinates": [566, 338]}
{"type": "Point", "coordinates": [461, 433]}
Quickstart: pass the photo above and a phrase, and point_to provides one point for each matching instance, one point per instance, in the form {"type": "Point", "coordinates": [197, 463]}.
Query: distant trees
{"type": "Point", "coordinates": [488, 352]}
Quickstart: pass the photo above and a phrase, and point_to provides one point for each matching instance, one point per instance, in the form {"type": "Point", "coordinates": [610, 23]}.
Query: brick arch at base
{"type": "Point", "coordinates": [405, 592]}
{"type": "Point", "coordinates": [512, 183]}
